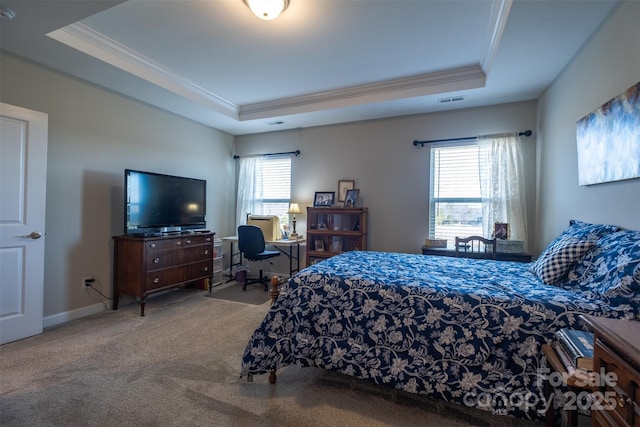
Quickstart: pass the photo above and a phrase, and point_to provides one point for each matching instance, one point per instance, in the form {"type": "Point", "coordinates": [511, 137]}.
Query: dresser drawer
{"type": "Point", "coordinates": [622, 382]}
{"type": "Point", "coordinates": [198, 270]}
{"type": "Point", "coordinates": [196, 240]}
{"type": "Point", "coordinates": [198, 253]}
{"type": "Point", "coordinates": [164, 244]}
{"type": "Point", "coordinates": [163, 278]}
{"type": "Point", "coordinates": [163, 258]}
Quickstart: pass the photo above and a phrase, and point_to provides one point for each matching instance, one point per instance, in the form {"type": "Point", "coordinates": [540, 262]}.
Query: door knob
{"type": "Point", "coordinates": [33, 235]}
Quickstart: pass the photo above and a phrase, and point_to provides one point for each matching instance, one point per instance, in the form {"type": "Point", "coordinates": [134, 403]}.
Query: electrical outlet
{"type": "Point", "coordinates": [87, 281]}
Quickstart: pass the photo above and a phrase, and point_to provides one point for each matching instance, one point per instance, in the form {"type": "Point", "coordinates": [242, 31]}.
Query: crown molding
{"type": "Point", "coordinates": [97, 45]}
{"type": "Point", "coordinates": [497, 21]}
{"type": "Point", "coordinates": [423, 84]}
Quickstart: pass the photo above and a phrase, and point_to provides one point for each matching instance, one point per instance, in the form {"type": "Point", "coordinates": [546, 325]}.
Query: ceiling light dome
{"type": "Point", "coordinates": [267, 9]}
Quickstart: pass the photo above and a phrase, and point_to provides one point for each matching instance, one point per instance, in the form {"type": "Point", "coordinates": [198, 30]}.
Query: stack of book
{"type": "Point", "coordinates": [576, 346]}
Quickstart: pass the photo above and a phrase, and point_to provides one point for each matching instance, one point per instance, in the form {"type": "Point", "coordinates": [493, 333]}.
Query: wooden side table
{"type": "Point", "coordinates": [576, 380]}
{"type": "Point", "coordinates": [616, 357]}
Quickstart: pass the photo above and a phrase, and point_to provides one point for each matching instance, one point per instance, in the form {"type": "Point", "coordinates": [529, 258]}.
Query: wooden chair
{"type": "Point", "coordinates": [475, 247]}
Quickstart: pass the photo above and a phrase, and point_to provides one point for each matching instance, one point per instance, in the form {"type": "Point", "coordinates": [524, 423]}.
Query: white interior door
{"type": "Point", "coordinates": [23, 174]}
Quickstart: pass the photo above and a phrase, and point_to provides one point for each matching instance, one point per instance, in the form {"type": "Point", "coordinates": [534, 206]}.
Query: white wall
{"type": "Point", "coordinates": [94, 135]}
{"type": "Point", "coordinates": [392, 174]}
{"type": "Point", "coordinates": [608, 64]}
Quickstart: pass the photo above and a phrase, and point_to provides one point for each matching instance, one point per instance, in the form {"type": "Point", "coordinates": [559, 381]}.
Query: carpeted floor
{"type": "Point", "coordinates": [179, 366]}
{"type": "Point", "coordinates": [255, 293]}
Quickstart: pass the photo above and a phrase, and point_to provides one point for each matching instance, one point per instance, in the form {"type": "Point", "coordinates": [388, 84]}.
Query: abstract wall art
{"type": "Point", "coordinates": [609, 140]}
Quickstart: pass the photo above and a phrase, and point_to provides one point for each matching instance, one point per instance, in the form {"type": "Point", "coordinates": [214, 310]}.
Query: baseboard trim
{"type": "Point", "coordinates": [67, 316]}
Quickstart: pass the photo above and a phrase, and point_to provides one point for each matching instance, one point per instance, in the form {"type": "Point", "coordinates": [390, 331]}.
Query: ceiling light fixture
{"type": "Point", "coordinates": [267, 9]}
{"type": "Point", "coordinates": [7, 14]}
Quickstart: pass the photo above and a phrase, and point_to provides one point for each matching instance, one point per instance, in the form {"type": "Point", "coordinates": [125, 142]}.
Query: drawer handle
{"type": "Point", "coordinates": [156, 260]}
{"type": "Point", "coordinates": [206, 269]}
{"type": "Point", "coordinates": [179, 243]}
{"type": "Point", "coordinates": [208, 239]}
{"type": "Point", "coordinates": [622, 400]}
{"type": "Point", "coordinates": [152, 245]}
{"type": "Point", "coordinates": [206, 252]}
{"type": "Point", "coordinates": [188, 242]}
{"type": "Point", "coordinates": [156, 280]}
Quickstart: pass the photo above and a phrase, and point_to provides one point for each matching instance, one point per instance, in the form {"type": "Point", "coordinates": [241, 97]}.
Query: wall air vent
{"type": "Point", "coordinates": [450, 100]}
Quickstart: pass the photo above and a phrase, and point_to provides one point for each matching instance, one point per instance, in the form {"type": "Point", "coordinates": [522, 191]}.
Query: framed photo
{"type": "Point", "coordinates": [319, 245]}
{"type": "Point", "coordinates": [336, 244]}
{"type": "Point", "coordinates": [343, 186]}
{"type": "Point", "coordinates": [324, 198]}
{"type": "Point", "coordinates": [351, 198]}
{"type": "Point", "coordinates": [501, 230]}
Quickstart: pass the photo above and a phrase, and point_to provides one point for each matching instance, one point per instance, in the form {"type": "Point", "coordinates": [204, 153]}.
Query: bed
{"type": "Point", "coordinates": [464, 330]}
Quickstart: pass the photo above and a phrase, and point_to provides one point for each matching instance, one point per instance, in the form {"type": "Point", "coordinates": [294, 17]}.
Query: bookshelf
{"type": "Point", "coordinates": [333, 230]}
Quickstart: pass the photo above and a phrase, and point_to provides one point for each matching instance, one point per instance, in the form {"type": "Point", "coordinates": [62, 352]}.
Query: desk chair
{"type": "Point", "coordinates": [252, 246]}
{"type": "Point", "coordinates": [475, 247]}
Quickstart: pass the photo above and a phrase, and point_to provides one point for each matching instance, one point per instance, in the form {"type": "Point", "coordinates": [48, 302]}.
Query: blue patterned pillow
{"type": "Point", "coordinates": [589, 231]}
{"type": "Point", "coordinates": [612, 267]}
{"type": "Point", "coordinates": [556, 260]}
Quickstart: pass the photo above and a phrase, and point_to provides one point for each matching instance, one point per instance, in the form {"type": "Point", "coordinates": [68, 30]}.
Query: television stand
{"type": "Point", "coordinates": [145, 265]}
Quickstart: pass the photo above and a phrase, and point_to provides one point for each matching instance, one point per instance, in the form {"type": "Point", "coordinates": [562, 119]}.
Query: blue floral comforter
{"type": "Point", "coordinates": [464, 330]}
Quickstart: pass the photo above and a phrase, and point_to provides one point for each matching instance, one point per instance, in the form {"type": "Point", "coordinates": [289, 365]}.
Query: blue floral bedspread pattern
{"type": "Point", "coordinates": [464, 330]}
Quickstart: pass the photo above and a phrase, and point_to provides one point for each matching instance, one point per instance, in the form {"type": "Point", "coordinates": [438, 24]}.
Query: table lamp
{"type": "Point", "coordinates": [293, 210]}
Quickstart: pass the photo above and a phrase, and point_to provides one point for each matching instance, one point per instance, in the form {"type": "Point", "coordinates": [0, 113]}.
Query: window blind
{"type": "Point", "coordinates": [455, 202]}
{"type": "Point", "coordinates": [276, 187]}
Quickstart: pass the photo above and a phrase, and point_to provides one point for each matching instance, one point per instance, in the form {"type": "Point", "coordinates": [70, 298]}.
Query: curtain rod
{"type": "Point", "coordinates": [416, 142]}
{"type": "Point", "coordinates": [297, 153]}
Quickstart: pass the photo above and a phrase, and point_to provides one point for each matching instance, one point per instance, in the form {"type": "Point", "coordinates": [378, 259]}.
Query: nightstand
{"type": "Point", "coordinates": [616, 357]}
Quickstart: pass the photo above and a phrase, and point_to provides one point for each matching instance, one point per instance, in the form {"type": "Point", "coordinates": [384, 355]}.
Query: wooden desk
{"type": "Point", "coordinates": [278, 244]}
{"type": "Point", "coordinates": [500, 256]}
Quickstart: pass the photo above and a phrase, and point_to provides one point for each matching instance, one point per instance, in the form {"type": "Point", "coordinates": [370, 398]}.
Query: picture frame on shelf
{"type": "Point", "coordinates": [351, 198]}
{"type": "Point", "coordinates": [501, 230]}
{"type": "Point", "coordinates": [336, 244]}
{"type": "Point", "coordinates": [319, 245]}
{"type": "Point", "coordinates": [343, 186]}
{"type": "Point", "coordinates": [324, 198]}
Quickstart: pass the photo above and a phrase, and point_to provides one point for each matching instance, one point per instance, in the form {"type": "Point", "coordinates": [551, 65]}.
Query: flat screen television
{"type": "Point", "coordinates": [157, 203]}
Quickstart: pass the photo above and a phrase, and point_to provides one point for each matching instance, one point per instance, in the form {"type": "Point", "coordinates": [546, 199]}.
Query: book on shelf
{"type": "Point", "coordinates": [578, 346]}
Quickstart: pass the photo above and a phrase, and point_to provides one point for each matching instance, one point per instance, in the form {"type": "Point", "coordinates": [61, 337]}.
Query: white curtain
{"type": "Point", "coordinates": [250, 189]}
{"type": "Point", "coordinates": [502, 184]}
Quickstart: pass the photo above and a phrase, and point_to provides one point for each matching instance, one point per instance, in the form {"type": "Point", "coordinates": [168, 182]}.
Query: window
{"type": "Point", "coordinates": [276, 181]}
{"type": "Point", "coordinates": [455, 202]}
{"type": "Point", "coordinates": [264, 187]}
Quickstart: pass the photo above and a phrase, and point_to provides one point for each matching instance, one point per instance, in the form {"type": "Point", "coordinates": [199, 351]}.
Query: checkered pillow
{"type": "Point", "coordinates": [556, 260]}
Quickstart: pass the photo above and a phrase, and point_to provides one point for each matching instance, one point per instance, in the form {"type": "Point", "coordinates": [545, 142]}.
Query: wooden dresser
{"type": "Point", "coordinates": [616, 401]}
{"type": "Point", "coordinates": [144, 265]}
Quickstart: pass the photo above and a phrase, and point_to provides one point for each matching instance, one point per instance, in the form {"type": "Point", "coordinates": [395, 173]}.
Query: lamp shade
{"type": "Point", "coordinates": [294, 209]}
{"type": "Point", "coordinates": [267, 9]}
